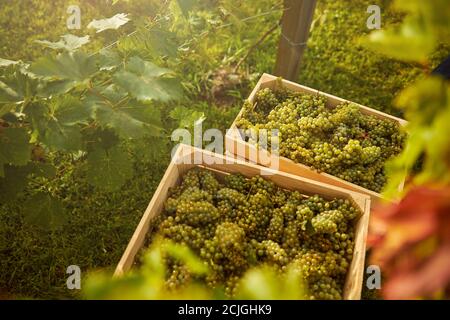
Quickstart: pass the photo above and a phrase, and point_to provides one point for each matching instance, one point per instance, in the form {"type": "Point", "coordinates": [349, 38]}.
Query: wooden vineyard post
{"type": "Point", "coordinates": [295, 27]}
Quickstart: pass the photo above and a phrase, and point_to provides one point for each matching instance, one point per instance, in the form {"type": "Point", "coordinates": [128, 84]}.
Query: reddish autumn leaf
{"type": "Point", "coordinates": [433, 274]}
{"type": "Point", "coordinates": [411, 243]}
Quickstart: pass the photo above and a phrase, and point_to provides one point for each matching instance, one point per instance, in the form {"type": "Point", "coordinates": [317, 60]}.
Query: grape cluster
{"type": "Point", "coordinates": [273, 252]}
{"type": "Point", "coordinates": [276, 225]}
{"type": "Point", "coordinates": [178, 277]}
{"type": "Point", "coordinates": [325, 288]}
{"type": "Point", "coordinates": [245, 222]}
{"type": "Point", "coordinates": [340, 141]}
{"type": "Point", "coordinates": [326, 221]}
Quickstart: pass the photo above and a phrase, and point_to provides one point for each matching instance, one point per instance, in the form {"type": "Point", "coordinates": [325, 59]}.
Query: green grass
{"type": "Point", "coordinates": [34, 262]}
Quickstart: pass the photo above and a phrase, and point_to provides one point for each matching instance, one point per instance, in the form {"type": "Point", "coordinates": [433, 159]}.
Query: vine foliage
{"type": "Point", "coordinates": [80, 105]}
{"type": "Point", "coordinates": [410, 239]}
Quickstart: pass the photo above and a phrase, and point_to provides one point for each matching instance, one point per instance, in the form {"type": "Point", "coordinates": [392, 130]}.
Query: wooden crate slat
{"type": "Point", "coordinates": [155, 206]}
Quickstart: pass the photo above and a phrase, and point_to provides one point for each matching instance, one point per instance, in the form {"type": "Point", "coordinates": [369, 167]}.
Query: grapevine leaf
{"type": "Point", "coordinates": [45, 170]}
{"type": "Point", "coordinates": [38, 114]}
{"type": "Point", "coordinates": [62, 137]}
{"type": "Point", "coordinates": [424, 281]}
{"type": "Point", "coordinates": [109, 60]}
{"type": "Point", "coordinates": [77, 67]}
{"type": "Point", "coordinates": [146, 68]}
{"type": "Point", "coordinates": [7, 94]}
{"type": "Point", "coordinates": [13, 118]}
{"type": "Point", "coordinates": [186, 6]}
{"type": "Point", "coordinates": [163, 42]}
{"type": "Point", "coordinates": [69, 111]}
{"type": "Point", "coordinates": [423, 100]}
{"type": "Point", "coordinates": [5, 108]}
{"type": "Point", "coordinates": [434, 169]}
{"type": "Point", "coordinates": [151, 149]}
{"type": "Point", "coordinates": [114, 22]}
{"type": "Point", "coordinates": [419, 34]}
{"type": "Point", "coordinates": [14, 147]}
{"type": "Point", "coordinates": [145, 81]}
{"type": "Point", "coordinates": [14, 181]}
{"type": "Point", "coordinates": [414, 230]}
{"type": "Point", "coordinates": [44, 211]}
{"type": "Point", "coordinates": [56, 134]}
{"type": "Point", "coordinates": [159, 41]}
{"type": "Point", "coordinates": [427, 108]}
{"type": "Point", "coordinates": [109, 169]}
{"type": "Point", "coordinates": [7, 63]}
{"type": "Point", "coordinates": [100, 138]}
{"type": "Point", "coordinates": [16, 87]}
{"type": "Point", "coordinates": [68, 42]}
{"type": "Point", "coordinates": [186, 117]}
{"type": "Point", "coordinates": [429, 14]}
{"type": "Point", "coordinates": [50, 88]}
{"type": "Point", "coordinates": [130, 119]}
{"type": "Point", "coordinates": [409, 43]}
{"type": "Point", "coordinates": [16, 178]}
{"type": "Point", "coordinates": [123, 121]}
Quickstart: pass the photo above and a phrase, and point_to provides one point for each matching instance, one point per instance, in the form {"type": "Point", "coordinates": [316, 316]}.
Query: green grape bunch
{"type": "Point", "coordinates": [341, 141]}
{"type": "Point", "coordinates": [236, 223]}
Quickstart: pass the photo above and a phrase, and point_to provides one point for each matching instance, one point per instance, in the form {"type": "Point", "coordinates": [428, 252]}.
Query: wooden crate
{"type": "Point", "coordinates": [235, 143]}
{"type": "Point", "coordinates": [223, 165]}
